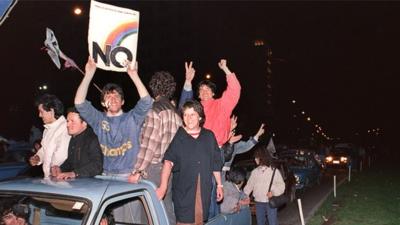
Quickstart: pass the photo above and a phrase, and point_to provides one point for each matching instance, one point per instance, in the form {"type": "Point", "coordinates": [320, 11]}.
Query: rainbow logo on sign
{"type": "Point", "coordinates": [119, 34]}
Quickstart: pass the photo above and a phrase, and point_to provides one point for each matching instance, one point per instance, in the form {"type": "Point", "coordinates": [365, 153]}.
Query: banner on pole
{"type": "Point", "coordinates": [113, 35]}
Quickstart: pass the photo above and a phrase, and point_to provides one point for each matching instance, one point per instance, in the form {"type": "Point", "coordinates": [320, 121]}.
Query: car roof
{"type": "Point", "coordinates": [93, 189]}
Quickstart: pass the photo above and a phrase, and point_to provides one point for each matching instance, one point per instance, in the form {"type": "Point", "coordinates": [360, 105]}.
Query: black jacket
{"type": "Point", "coordinates": [84, 155]}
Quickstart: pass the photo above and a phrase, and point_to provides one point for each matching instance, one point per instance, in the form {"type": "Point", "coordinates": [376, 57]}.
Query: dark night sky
{"type": "Point", "coordinates": [338, 60]}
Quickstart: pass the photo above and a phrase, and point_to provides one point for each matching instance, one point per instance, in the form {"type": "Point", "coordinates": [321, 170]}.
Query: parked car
{"type": "Point", "coordinates": [304, 165]}
{"type": "Point", "coordinates": [84, 201]}
{"type": "Point", "coordinates": [14, 163]}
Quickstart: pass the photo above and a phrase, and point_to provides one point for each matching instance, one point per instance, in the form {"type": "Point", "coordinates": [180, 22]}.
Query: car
{"type": "Point", "coordinates": [84, 201]}
{"type": "Point", "coordinates": [304, 165]}
{"type": "Point", "coordinates": [338, 157]}
{"type": "Point", "coordinates": [14, 162]}
{"type": "Point", "coordinates": [12, 169]}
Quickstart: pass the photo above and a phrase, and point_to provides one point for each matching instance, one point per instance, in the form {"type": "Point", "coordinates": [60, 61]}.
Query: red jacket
{"type": "Point", "coordinates": [218, 111]}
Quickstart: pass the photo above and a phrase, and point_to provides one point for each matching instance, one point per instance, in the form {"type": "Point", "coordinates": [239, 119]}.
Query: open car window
{"type": "Point", "coordinates": [46, 210]}
{"type": "Point", "coordinates": [130, 209]}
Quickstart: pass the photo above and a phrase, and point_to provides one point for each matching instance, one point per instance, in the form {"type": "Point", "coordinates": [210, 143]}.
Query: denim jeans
{"type": "Point", "coordinates": [264, 211]}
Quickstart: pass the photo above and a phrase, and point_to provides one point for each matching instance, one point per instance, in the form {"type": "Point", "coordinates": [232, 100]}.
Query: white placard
{"type": "Point", "coordinates": [113, 35]}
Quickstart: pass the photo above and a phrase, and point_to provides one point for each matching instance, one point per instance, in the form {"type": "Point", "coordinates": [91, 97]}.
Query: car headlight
{"type": "Point", "coordinates": [329, 159]}
{"type": "Point", "coordinates": [297, 179]}
{"type": "Point", "coordinates": [343, 159]}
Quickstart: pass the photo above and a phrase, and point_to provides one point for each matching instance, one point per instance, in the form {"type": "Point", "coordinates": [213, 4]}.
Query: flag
{"type": "Point", "coordinates": [53, 49]}
{"type": "Point", "coordinates": [271, 147]}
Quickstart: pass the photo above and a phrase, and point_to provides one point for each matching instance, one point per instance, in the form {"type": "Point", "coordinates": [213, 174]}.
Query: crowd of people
{"type": "Point", "coordinates": [186, 150]}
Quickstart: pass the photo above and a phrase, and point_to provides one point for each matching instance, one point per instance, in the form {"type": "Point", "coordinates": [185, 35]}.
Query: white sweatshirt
{"type": "Point", "coordinates": [259, 181]}
{"type": "Point", "coordinates": [55, 141]}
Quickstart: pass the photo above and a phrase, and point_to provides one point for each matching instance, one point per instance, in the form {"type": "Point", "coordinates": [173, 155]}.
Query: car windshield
{"type": "Point", "coordinates": [40, 209]}
{"type": "Point", "coordinates": [339, 151]}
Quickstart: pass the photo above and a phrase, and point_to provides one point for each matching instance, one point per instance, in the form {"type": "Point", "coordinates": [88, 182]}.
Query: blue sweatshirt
{"type": "Point", "coordinates": [119, 135]}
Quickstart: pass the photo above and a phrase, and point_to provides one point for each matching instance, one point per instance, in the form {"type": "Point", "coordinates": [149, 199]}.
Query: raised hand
{"type": "Point", "coordinates": [90, 67]}
{"type": "Point", "coordinates": [222, 65]}
{"type": "Point", "coordinates": [260, 132]}
{"type": "Point", "coordinates": [190, 71]}
{"type": "Point", "coordinates": [132, 69]}
{"type": "Point", "coordinates": [233, 122]}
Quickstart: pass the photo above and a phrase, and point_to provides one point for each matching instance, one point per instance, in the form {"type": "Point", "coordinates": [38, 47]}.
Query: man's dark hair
{"type": "Point", "coordinates": [162, 83]}
{"type": "Point", "coordinates": [197, 108]}
{"type": "Point", "coordinates": [236, 175]}
{"type": "Point", "coordinates": [49, 102]}
{"type": "Point", "coordinates": [109, 217]}
{"type": "Point", "coordinates": [264, 157]}
{"type": "Point", "coordinates": [74, 110]}
{"type": "Point", "coordinates": [109, 88]}
{"type": "Point", "coordinates": [209, 84]}
{"type": "Point", "coordinates": [18, 209]}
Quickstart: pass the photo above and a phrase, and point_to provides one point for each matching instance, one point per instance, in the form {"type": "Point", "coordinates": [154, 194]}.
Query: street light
{"type": "Point", "coordinates": [294, 101]}
{"type": "Point", "coordinates": [77, 11]}
{"type": "Point", "coordinates": [308, 119]}
{"type": "Point", "coordinates": [208, 76]}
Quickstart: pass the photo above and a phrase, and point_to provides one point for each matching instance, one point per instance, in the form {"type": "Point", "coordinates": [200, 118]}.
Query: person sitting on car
{"type": "Point", "coordinates": [85, 158]}
{"type": "Point", "coordinates": [234, 198]}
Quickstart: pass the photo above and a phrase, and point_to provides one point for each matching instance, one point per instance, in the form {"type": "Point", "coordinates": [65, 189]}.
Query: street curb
{"type": "Point", "coordinates": [318, 205]}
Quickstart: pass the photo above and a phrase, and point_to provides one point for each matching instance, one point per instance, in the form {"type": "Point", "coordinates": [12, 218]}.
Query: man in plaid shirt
{"type": "Point", "coordinates": [161, 123]}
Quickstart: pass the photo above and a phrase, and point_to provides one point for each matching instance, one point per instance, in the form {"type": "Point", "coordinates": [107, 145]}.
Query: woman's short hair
{"type": "Point", "coordinates": [49, 102]}
{"type": "Point", "coordinates": [209, 84]}
{"type": "Point", "coordinates": [197, 107]}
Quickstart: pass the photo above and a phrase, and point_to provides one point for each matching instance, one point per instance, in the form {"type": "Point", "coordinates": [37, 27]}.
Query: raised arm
{"type": "Point", "coordinates": [187, 91]}
{"type": "Point", "coordinates": [260, 132]}
{"type": "Point", "coordinates": [81, 93]}
{"type": "Point", "coordinates": [223, 66]}
{"type": "Point", "coordinates": [133, 74]}
{"type": "Point", "coordinates": [230, 97]}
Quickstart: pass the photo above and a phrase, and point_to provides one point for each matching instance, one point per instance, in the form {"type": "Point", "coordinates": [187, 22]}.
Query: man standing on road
{"type": "Point", "coordinates": [160, 126]}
